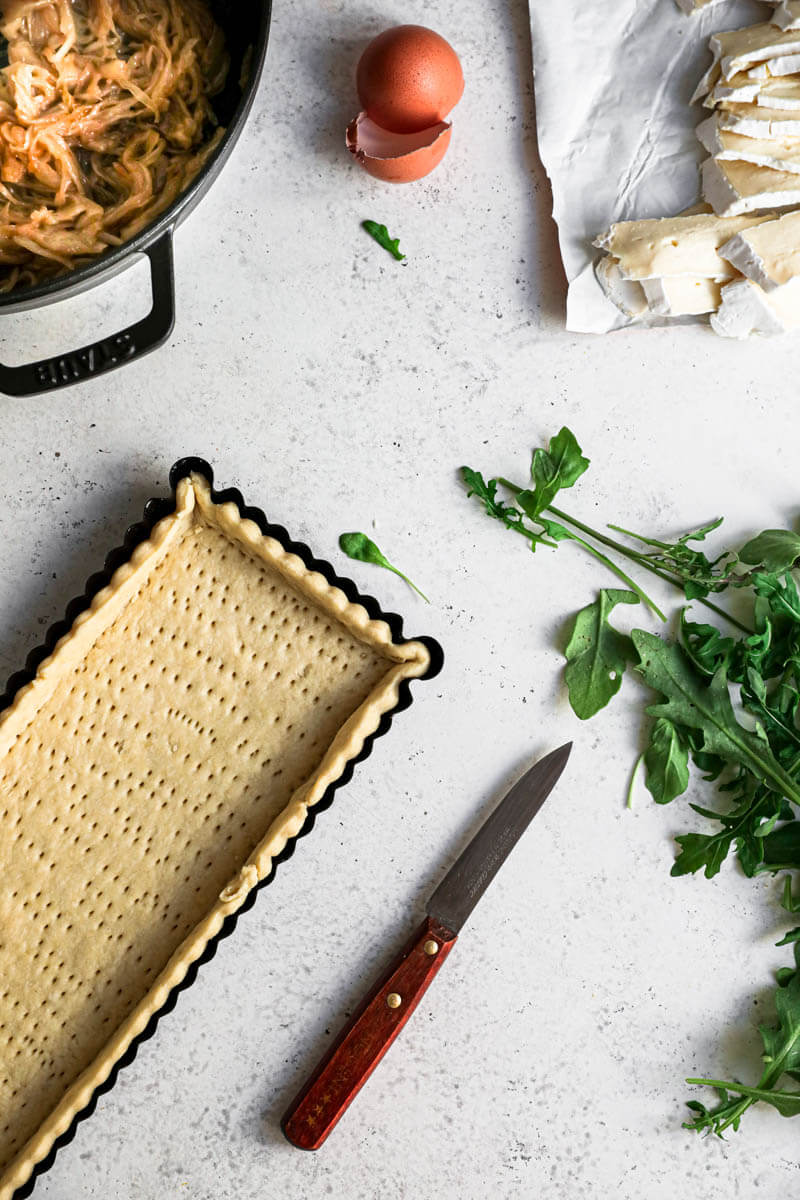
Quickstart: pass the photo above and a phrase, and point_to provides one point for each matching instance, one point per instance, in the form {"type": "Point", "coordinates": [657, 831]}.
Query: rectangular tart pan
{"type": "Point", "coordinates": [159, 755]}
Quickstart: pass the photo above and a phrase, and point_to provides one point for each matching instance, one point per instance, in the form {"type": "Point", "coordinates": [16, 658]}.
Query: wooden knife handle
{"type": "Point", "coordinates": [363, 1042]}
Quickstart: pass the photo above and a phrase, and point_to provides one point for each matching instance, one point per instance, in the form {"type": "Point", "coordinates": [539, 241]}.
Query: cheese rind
{"type": "Point", "coordinates": [767, 254]}
{"type": "Point", "coordinates": [673, 246]}
{"type": "Point", "coordinates": [746, 308]}
{"type": "Point", "coordinates": [735, 188]}
{"type": "Point", "coordinates": [626, 294]}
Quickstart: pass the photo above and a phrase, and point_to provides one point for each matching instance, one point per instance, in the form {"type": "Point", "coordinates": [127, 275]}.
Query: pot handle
{"type": "Point", "coordinates": [138, 339]}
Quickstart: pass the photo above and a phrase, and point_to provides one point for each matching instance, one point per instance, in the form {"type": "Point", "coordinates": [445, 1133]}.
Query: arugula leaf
{"type": "Point", "coordinates": [667, 762]}
{"type": "Point", "coordinates": [363, 549]}
{"type": "Point", "coordinates": [688, 702]}
{"type": "Point", "coordinates": [511, 517]}
{"type": "Point", "coordinates": [597, 654]}
{"type": "Point", "coordinates": [776, 550]}
{"type": "Point", "coordinates": [710, 684]}
{"type": "Point", "coordinates": [381, 235]}
{"type": "Point", "coordinates": [739, 828]}
{"type": "Point", "coordinates": [560, 466]}
{"type": "Point", "coordinates": [781, 1057]}
{"type": "Point", "coordinates": [705, 646]}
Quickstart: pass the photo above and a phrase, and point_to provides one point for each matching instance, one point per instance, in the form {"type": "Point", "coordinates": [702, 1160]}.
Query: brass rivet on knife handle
{"type": "Point", "coordinates": [431, 947]}
{"type": "Point", "coordinates": [394, 1000]}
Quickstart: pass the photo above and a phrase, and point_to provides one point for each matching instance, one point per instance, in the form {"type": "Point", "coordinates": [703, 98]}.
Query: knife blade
{"type": "Point", "coordinates": [362, 1043]}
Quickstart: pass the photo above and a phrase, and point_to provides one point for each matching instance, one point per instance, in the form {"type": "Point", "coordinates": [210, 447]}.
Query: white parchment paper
{"type": "Point", "coordinates": [613, 81]}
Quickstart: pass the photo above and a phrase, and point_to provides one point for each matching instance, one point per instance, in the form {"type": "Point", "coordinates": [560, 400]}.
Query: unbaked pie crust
{"type": "Point", "coordinates": [164, 753]}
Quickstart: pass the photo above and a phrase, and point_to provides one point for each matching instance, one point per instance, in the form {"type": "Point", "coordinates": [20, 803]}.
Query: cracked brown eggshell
{"type": "Point", "coordinates": [397, 157]}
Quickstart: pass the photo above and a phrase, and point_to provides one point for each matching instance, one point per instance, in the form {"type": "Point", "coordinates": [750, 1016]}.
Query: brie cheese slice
{"type": "Point", "coordinates": [737, 49]}
{"type": "Point", "coordinates": [753, 120]}
{"type": "Point", "coordinates": [784, 64]}
{"type": "Point", "coordinates": [681, 295]}
{"type": "Point", "coordinates": [740, 89]}
{"type": "Point", "coordinates": [768, 254]}
{"type": "Point", "coordinates": [778, 155]}
{"type": "Point", "coordinates": [734, 188]}
{"type": "Point", "coordinates": [674, 246]}
{"type": "Point", "coordinates": [782, 93]}
{"type": "Point", "coordinates": [746, 308]}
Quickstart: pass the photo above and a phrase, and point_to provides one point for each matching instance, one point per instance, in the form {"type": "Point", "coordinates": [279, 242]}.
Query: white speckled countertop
{"type": "Point", "coordinates": [340, 390]}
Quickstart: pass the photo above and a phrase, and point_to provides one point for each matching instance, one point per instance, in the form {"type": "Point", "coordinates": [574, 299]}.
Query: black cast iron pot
{"type": "Point", "coordinates": [246, 28]}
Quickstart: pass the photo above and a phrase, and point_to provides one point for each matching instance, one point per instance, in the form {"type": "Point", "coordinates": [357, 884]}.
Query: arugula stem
{"type": "Point", "coordinates": [410, 584]}
{"type": "Point", "coordinates": [644, 561]}
{"type": "Point", "coordinates": [634, 773]}
{"type": "Point", "coordinates": [612, 566]}
{"type": "Point", "coordinates": [641, 559]}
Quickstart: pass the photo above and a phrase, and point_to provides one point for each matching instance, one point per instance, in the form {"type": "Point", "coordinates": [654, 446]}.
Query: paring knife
{"type": "Point", "coordinates": [363, 1042]}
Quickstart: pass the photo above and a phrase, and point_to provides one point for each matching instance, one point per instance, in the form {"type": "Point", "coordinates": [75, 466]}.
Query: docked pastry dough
{"type": "Point", "coordinates": [166, 751]}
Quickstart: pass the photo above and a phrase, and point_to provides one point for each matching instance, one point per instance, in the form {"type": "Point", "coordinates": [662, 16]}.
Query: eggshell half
{"type": "Point", "coordinates": [397, 157]}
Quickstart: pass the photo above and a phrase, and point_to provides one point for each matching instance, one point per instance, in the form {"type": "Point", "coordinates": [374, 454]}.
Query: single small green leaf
{"type": "Point", "coordinates": [381, 235]}
{"type": "Point", "coordinates": [701, 852]}
{"type": "Point", "coordinates": [701, 533]}
{"type": "Point", "coordinates": [597, 654]}
{"type": "Point", "coordinates": [667, 761]}
{"type": "Point", "coordinates": [558, 467]}
{"type": "Point", "coordinates": [361, 548]}
{"type": "Point", "coordinates": [556, 531]}
{"type": "Point", "coordinates": [792, 936]}
{"type": "Point", "coordinates": [776, 550]}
